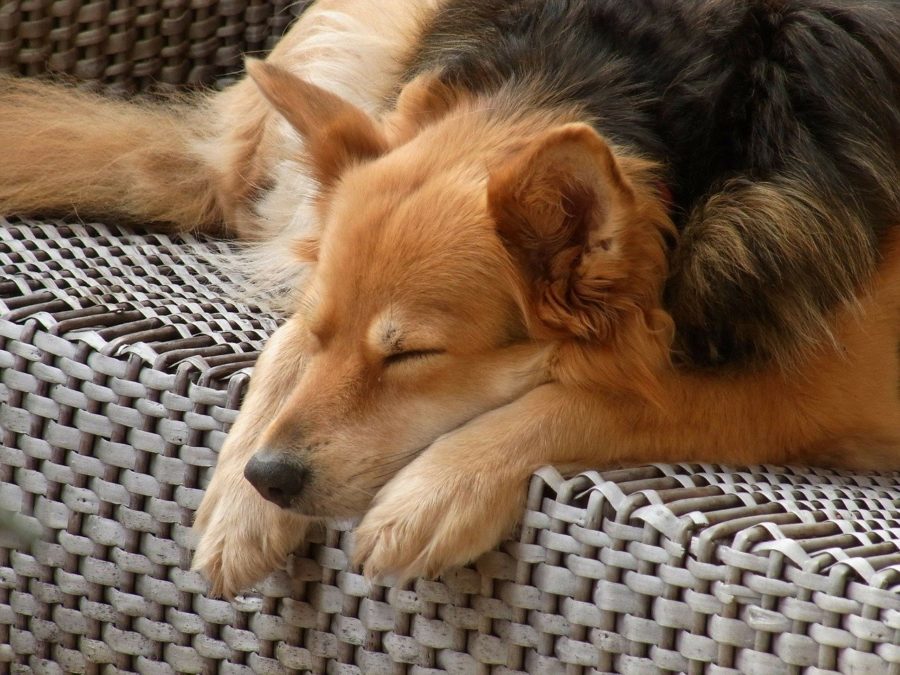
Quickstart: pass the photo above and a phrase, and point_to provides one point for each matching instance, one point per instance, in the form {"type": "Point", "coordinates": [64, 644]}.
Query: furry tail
{"type": "Point", "coordinates": [760, 269]}
{"type": "Point", "coordinates": [65, 151]}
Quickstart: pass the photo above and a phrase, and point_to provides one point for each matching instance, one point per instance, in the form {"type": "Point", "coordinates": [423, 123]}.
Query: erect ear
{"type": "Point", "coordinates": [337, 133]}
{"type": "Point", "coordinates": [563, 208]}
{"type": "Point", "coordinates": [423, 101]}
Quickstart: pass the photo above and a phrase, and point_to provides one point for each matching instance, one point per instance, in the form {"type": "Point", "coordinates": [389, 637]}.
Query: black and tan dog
{"type": "Point", "coordinates": [579, 232]}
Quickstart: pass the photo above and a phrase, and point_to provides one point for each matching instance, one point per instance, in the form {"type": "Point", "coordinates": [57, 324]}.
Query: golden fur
{"type": "Point", "coordinates": [428, 370]}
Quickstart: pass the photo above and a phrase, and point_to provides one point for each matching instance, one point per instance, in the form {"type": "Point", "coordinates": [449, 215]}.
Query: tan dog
{"type": "Point", "coordinates": [485, 290]}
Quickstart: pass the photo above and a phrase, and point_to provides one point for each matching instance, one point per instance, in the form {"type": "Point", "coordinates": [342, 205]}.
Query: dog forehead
{"type": "Point", "coordinates": [408, 252]}
{"type": "Point", "coordinates": [411, 194]}
{"type": "Point", "coordinates": [423, 246]}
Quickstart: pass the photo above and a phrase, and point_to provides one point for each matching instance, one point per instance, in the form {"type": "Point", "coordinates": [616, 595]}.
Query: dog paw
{"type": "Point", "coordinates": [243, 537]}
{"type": "Point", "coordinates": [435, 515]}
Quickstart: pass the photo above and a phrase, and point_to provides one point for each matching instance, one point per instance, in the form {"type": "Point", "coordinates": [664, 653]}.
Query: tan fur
{"type": "Point", "coordinates": [547, 344]}
{"type": "Point", "coordinates": [439, 511]}
{"type": "Point", "coordinates": [482, 296]}
{"type": "Point", "coordinates": [66, 151]}
{"type": "Point", "coordinates": [336, 133]}
{"type": "Point", "coordinates": [841, 408]}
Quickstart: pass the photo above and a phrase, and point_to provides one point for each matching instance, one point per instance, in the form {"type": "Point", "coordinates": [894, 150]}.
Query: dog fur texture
{"type": "Point", "coordinates": [515, 233]}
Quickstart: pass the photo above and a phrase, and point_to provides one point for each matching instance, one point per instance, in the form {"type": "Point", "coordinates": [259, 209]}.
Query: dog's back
{"type": "Point", "coordinates": [778, 122]}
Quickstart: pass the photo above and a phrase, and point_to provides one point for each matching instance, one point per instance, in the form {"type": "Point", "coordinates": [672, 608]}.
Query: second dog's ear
{"type": "Point", "coordinates": [562, 208]}
{"type": "Point", "coordinates": [336, 132]}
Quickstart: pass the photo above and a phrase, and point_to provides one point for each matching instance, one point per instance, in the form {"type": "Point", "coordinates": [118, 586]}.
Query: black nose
{"type": "Point", "coordinates": [278, 477]}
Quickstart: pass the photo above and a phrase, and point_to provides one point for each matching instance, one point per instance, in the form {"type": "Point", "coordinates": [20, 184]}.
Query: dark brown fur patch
{"type": "Point", "coordinates": [775, 251]}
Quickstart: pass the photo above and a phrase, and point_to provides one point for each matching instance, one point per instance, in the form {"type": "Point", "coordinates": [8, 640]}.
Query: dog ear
{"type": "Point", "coordinates": [337, 133]}
{"type": "Point", "coordinates": [423, 101]}
{"type": "Point", "coordinates": [563, 209]}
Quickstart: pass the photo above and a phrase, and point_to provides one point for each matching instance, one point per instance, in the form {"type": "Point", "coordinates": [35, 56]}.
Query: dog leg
{"type": "Point", "coordinates": [243, 536]}
{"type": "Point", "coordinates": [466, 491]}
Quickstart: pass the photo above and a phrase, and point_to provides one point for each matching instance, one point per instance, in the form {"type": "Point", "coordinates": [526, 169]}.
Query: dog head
{"type": "Point", "coordinates": [462, 261]}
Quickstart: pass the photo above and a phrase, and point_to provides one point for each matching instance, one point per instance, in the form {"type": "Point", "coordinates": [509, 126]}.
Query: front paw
{"type": "Point", "coordinates": [436, 515]}
{"type": "Point", "coordinates": [244, 537]}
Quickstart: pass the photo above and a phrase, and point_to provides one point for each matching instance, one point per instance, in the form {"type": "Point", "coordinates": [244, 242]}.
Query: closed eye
{"type": "Point", "coordinates": [411, 355]}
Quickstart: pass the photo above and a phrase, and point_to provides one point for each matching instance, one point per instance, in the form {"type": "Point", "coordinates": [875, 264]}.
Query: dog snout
{"type": "Point", "coordinates": [276, 476]}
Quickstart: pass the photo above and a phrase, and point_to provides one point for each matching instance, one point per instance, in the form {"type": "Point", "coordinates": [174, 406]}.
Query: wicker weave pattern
{"type": "Point", "coordinates": [122, 361]}
{"type": "Point", "coordinates": [128, 46]}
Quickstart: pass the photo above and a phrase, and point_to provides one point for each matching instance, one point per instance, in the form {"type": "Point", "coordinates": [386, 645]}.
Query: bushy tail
{"type": "Point", "coordinates": [760, 270]}
{"type": "Point", "coordinates": [64, 151]}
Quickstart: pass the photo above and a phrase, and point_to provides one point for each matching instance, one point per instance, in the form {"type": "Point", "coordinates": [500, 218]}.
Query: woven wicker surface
{"type": "Point", "coordinates": [131, 45]}
{"type": "Point", "coordinates": [122, 361]}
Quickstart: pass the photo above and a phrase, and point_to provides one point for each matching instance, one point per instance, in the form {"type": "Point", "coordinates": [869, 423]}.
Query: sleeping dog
{"type": "Point", "coordinates": [518, 232]}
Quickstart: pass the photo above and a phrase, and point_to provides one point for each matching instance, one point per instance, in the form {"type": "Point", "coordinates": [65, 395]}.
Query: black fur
{"type": "Point", "coordinates": [736, 98]}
